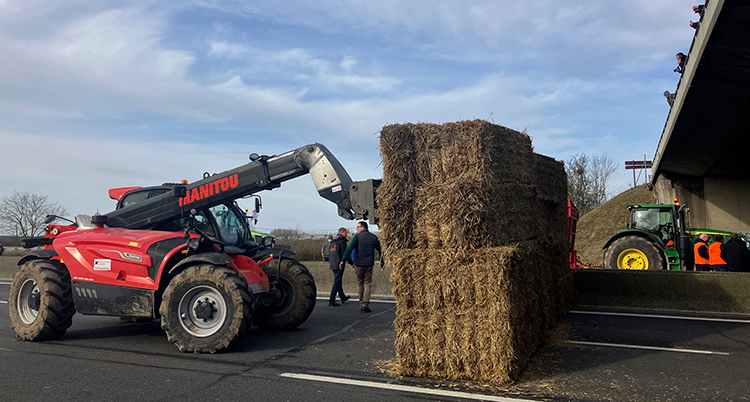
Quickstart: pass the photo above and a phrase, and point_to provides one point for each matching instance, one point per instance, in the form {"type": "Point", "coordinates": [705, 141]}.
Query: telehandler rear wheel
{"type": "Point", "coordinates": [293, 299]}
{"type": "Point", "coordinates": [633, 252]}
{"type": "Point", "coordinates": [41, 301]}
{"type": "Point", "coordinates": [206, 309]}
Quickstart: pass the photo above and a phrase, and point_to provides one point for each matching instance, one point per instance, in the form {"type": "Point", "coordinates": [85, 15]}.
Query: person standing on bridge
{"type": "Point", "coordinates": [715, 250]}
{"type": "Point", "coordinates": [365, 243]}
{"type": "Point", "coordinates": [698, 10]}
{"type": "Point", "coordinates": [700, 252]}
{"type": "Point", "coordinates": [336, 247]}
{"type": "Point", "coordinates": [736, 254]}
{"type": "Point", "coordinates": [670, 97]}
{"type": "Point", "coordinates": [681, 60]}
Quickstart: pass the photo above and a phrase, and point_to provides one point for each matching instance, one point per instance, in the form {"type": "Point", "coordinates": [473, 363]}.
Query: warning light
{"type": "Point", "coordinates": [183, 181]}
{"type": "Point", "coordinates": [676, 201]}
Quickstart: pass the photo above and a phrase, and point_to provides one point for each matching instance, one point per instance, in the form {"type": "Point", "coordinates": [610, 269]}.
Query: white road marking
{"type": "Point", "coordinates": [670, 317]}
{"type": "Point", "coordinates": [5, 283]}
{"type": "Point", "coordinates": [351, 299]}
{"type": "Point", "coordinates": [402, 388]}
{"type": "Point", "coordinates": [3, 302]}
{"type": "Point", "coordinates": [617, 345]}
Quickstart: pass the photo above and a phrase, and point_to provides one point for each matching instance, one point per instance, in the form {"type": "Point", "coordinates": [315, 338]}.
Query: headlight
{"type": "Point", "coordinates": [193, 243]}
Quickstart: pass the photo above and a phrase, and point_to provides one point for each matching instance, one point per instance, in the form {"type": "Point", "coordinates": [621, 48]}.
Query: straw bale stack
{"type": "Point", "coordinates": [474, 223]}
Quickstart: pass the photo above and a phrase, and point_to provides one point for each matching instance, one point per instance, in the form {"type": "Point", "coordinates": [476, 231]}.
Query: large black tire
{"type": "Point", "coordinates": [293, 300]}
{"type": "Point", "coordinates": [633, 252]}
{"type": "Point", "coordinates": [206, 309]}
{"type": "Point", "coordinates": [41, 301]}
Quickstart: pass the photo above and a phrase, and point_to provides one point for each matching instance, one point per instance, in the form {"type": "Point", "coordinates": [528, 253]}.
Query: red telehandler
{"type": "Point", "coordinates": [182, 253]}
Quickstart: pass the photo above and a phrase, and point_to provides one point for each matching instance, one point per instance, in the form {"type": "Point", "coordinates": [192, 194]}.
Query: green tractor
{"type": "Point", "coordinates": [656, 239]}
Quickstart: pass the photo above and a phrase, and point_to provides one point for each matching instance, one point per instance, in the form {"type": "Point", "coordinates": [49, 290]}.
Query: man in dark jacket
{"type": "Point", "coordinates": [736, 254]}
{"type": "Point", "coordinates": [365, 243]}
{"type": "Point", "coordinates": [335, 253]}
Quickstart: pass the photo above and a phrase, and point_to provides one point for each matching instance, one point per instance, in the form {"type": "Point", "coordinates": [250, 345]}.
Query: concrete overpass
{"type": "Point", "coordinates": [703, 156]}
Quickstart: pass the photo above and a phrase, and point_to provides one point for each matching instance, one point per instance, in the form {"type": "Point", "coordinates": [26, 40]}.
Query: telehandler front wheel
{"type": "Point", "coordinates": [41, 301]}
{"type": "Point", "coordinates": [633, 252]}
{"type": "Point", "coordinates": [206, 309]}
{"type": "Point", "coordinates": [292, 299]}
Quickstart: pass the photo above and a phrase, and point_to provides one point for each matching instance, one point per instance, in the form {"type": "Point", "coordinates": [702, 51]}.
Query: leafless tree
{"type": "Point", "coordinates": [22, 215]}
{"type": "Point", "coordinates": [587, 180]}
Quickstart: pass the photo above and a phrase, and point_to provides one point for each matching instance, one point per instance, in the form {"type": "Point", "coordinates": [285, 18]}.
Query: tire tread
{"type": "Point", "coordinates": [56, 309]}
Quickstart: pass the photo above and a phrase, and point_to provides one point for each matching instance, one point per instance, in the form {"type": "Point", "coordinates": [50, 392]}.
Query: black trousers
{"type": "Point", "coordinates": [338, 285]}
{"type": "Point", "coordinates": [719, 268]}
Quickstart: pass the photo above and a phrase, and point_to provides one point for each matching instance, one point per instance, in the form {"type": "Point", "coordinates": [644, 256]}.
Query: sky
{"type": "Point", "coordinates": [100, 94]}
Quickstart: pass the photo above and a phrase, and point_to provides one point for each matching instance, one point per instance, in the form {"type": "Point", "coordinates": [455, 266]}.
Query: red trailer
{"type": "Point", "coordinates": [572, 223]}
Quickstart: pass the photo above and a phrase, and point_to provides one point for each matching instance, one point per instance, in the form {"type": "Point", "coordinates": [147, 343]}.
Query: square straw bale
{"type": "Point", "coordinates": [477, 150]}
{"type": "Point", "coordinates": [474, 215]}
{"type": "Point", "coordinates": [477, 315]}
{"type": "Point", "coordinates": [455, 174]}
{"type": "Point", "coordinates": [550, 176]}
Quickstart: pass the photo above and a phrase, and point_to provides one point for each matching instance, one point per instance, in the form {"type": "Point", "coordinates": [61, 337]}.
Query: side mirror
{"type": "Point", "coordinates": [49, 219]}
{"type": "Point", "coordinates": [179, 191]}
{"type": "Point", "coordinates": [99, 220]}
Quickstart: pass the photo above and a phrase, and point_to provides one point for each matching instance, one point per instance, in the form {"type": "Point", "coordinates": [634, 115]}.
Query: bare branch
{"type": "Point", "coordinates": [22, 214]}
{"type": "Point", "coordinates": [587, 180]}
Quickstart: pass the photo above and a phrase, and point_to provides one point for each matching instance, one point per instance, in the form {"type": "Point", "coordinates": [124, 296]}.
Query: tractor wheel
{"type": "Point", "coordinates": [632, 252]}
{"type": "Point", "coordinates": [293, 298]}
{"type": "Point", "coordinates": [41, 301]}
{"type": "Point", "coordinates": [206, 309]}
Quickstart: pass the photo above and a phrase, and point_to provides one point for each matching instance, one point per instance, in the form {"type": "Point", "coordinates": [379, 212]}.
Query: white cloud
{"type": "Point", "coordinates": [304, 65]}
{"type": "Point", "coordinates": [348, 63]}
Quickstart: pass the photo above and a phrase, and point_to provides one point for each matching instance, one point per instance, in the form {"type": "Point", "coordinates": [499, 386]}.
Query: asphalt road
{"type": "Point", "coordinates": [339, 355]}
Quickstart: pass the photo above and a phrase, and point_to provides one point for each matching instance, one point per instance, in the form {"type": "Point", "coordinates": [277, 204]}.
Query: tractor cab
{"type": "Point", "coordinates": [658, 220]}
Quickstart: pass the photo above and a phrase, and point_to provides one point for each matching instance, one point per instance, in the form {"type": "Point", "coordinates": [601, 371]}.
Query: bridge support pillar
{"type": "Point", "coordinates": [715, 203]}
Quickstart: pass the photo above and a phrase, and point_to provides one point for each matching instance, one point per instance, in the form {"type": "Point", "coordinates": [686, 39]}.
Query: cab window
{"type": "Point", "coordinates": [140, 196]}
{"type": "Point", "coordinates": [201, 222]}
{"type": "Point", "coordinates": [231, 228]}
{"type": "Point", "coordinates": [658, 221]}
